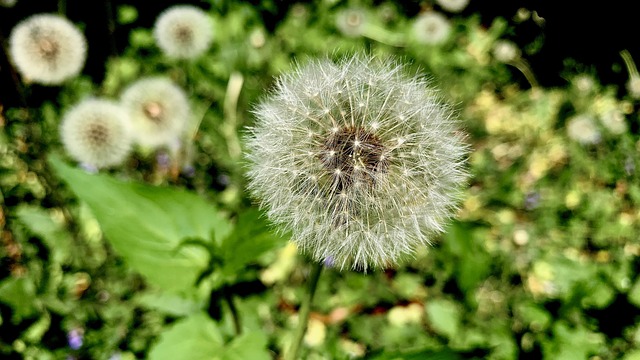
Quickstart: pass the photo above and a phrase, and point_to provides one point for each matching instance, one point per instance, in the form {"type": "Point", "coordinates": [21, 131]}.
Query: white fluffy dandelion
{"type": "Point", "coordinates": [159, 111]}
{"type": "Point", "coordinates": [96, 133]}
{"type": "Point", "coordinates": [454, 6]}
{"type": "Point", "coordinates": [505, 51]}
{"type": "Point", "coordinates": [431, 28]}
{"type": "Point", "coordinates": [633, 86]}
{"type": "Point", "coordinates": [47, 49]}
{"type": "Point", "coordinates": [583, 129]}
{"type": "Point", "coordinates": [361, 161]}
{"type": "Point", "coordinates": [351, 22]}
{"type": "Point", "coordinates": [183, 32]}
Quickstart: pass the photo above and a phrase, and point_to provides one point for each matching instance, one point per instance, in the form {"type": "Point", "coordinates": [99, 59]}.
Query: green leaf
{"type": "Point", "coordinates": [444, 317]}
{"type": "Point", "coordinates": [40, 223]}
{"type": "Point", "coordinates": [146, 224]}
{"type": "Point", "coordinates": [195, 338]}
{"type": "Point", "coordinates": [169, 303]}
{"type": "Point", "coordinates": [250, 238]}
{"type": "Point", "coordinates": [18, 293]}
{"type": "Point", "coordinates": [418, 354]}
{"type": "Point", "coordinates": [251, 345]}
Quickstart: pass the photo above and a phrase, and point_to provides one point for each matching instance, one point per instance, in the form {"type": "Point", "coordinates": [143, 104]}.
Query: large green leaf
{"type": "Point", "coordinates": [251, 237]}
{"type": "Point", "coordinates": [146, 224]}
{"type": "Point", "coordinates": [197, 337]}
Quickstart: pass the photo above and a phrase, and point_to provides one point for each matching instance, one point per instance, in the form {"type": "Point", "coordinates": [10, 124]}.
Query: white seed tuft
{"type": "Point", "coordinates": [159, 111]}
{"type": "Point", "coordinates": [183, 32]}
{"type": "Point", "coordinates": [96, 133]}
{"type": "Point", "coordinates": [361, 201]}
{"type": "Point", "coordinates": [47, 49]}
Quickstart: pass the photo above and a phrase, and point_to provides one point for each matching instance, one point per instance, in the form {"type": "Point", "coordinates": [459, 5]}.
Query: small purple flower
{"type": "Point", "coordinates": [74, 338]}
{"type": "Point", "coordinates": [91, 169]}
{"type": "Point", "coordinates": [164, 160]}
{"type": "Point", "coordinates": [189, 171]}
{"type": "Point", "coordinates": [329, 262]}
{"type": "Point", "coordinates": [531, 200]}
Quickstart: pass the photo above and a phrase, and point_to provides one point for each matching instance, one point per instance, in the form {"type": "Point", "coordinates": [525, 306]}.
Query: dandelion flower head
{"type": "Point", "coordinates": [159, 111]}
{"type": "Point", "coordinates": [96, 132]}
{"type": "Point", "coordinates": [583, 129]}
{"type": "Point", "coordinates": [362, 162]}
{"type": "Point", "coordinates": [183, 32]}
{"type": "Point", "coordinates": [47, 49]}
{"type": "Point", "coordinates": [431, 28]}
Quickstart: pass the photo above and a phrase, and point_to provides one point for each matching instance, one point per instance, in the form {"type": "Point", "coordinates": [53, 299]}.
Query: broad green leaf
{"type": "Point", "coordinates": [251, 345]}
{"type": "Point", "coordinates": [146, 224]}
{"type": "Point", "coordinates": [18, 293]}
{"type": "Point", "coordinates": [40, 223]}
{"type": "Point", "coordinates": [195, 338]}
{"type": "Point", "coordinates": [169, 303]}
{"type": "Point", "coordinates": [444, 317]}
{"type": "Point", "coordinates": [250, 238]}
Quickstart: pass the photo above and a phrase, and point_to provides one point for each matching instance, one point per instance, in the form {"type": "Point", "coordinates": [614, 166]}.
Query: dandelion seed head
{"type": "Point", "coordinates": [633, 86]}
{"type": "Point", "coordinates": [431, 28]}
{"type": "Point", "coordinates": [454, 6]}
{"type": "Point", "coordinates": [370, 185]}
{"type": "Point", "coordinates": [351, 22]}
{"type": "Point", "coordinates": [96, 132]}
{"type": "Point", "coordinates": [583, 129]}
{"type": "Point", "coordinates": [159, 111]}
{"type": "Point", "coordinates": [505, 51]}
{"type": "Point", "coordinates": [47, 49]}
{"type": "Point", "coordinates": [183, 32]}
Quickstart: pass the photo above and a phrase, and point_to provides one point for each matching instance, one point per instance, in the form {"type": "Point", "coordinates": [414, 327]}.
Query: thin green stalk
{"type": "Point", "coordinates": [228, 298]}
{"type": "Point", "coordinates": [628, 61]}
{"type": "Point", "coordinates": [303, 314]}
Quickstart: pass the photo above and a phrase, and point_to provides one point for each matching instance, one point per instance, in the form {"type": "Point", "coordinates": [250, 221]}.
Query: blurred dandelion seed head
{"type": "Point", "coordinates": [183, 32]}
{"type": "Point", "coordinates": [361, 161]}
{"type": "Point", "coordinates": [159, 111]}
{"type": "Point", "coordinates": [351, 22]}
{"type": "Point", "coordinates": [454, 6]}
{"type": "Point", "coordinates": [505, 51]}
{"type": "Point", "coordinates": [583, 129]}
{"type": "Point", "coordinates": [96, 132]}
{"type": "Point", "coordinates": [633, 86]}
{"type": "Point", "coordinates": [47, 49]}
{"type": "Point", "coordinates": [431, 28]}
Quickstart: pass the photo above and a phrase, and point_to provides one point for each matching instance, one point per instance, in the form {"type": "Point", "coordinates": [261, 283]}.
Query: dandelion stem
{"type": "Point", "coordinates": [230, 109]}
{"type": "Point", "coordinates": [628, 61]}
{"type": "Point", "coordinates": [228, 298]}
{"type": "Point", "coordinates": [525, 69]}
{"type": "Point", "coordinates": [303, 314]}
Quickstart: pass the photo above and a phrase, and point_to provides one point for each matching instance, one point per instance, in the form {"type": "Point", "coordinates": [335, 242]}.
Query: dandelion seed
{"type": "Point", "coordinates": [47, 49]}
{"type": "Point", "coordinates": [183, 32]}
{"type": "Point", "coordinates": [454, 6]}
{"type": "Point", "coordinates": [351, 22]}
{"type": "Point", "coordinates": [431, 28]}
{"type": "Point", "coordinates": [96, 133]}
{"type": "Point", "coordinates": [364, 199]}
{"type": "Point", "coordinates": [159, 111]}
{"type": "Point", "coordinates": [584, 83]}
{"type": "Point", "coordinates": [583, 129]}
{"type": "Point", "coordinates": [614, 121]}
{"type": "Point", "coordinates": [505, 51]}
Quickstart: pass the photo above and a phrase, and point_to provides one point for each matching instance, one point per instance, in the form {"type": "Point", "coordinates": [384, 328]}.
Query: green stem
{"type": "Point", "coordinates": [305, 310]}
{"type": "Point", "coordinates": [228, 298]}
{"type": "Point", "coordinates": [628, 61]}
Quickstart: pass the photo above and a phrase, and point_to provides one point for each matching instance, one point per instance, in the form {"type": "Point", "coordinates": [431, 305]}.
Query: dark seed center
{"type": "Point", "coordinates": [353, 157]}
